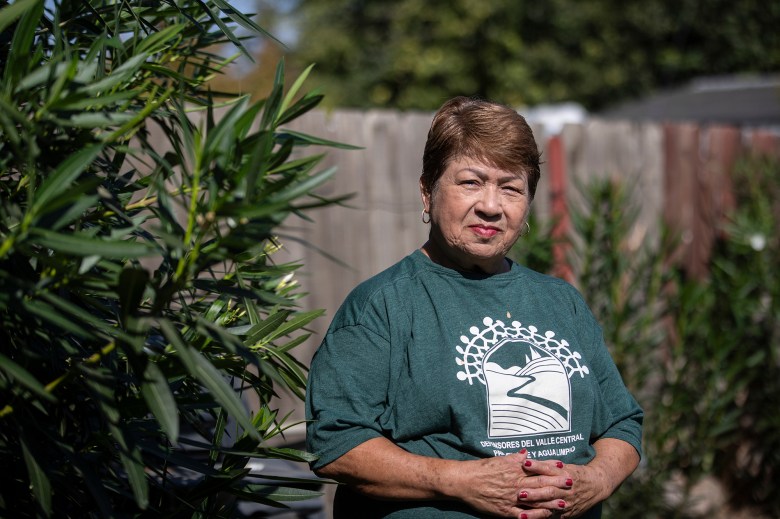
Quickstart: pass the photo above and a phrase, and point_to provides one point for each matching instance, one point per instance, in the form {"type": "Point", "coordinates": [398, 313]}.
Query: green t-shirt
{"type": "Point", "coordinates": [460, 366]}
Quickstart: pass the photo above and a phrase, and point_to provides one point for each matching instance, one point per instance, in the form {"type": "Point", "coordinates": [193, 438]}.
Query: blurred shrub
{"type": "Point", "coordinates": [702, 357]}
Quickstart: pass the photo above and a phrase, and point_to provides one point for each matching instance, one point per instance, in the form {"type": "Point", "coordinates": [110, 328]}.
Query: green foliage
{"type": "Point", "coordinates": [724, 367]}
{"type": "Point", "coordinates": [701, 356]}
{"type": "Point", "coordinates": [623, 279]}
{"type": "Point", "coordinates": [414, 54]}
{"type": "Point", "coordinates": [535, 249]}
{"type": "Point", "coordinates": [140, 307]}
{"type": "Point", "coordinates": [622, 276]}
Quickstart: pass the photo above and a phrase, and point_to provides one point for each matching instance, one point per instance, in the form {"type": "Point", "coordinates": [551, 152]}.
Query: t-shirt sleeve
{"type": "Point", "coordinates": [346, 392]}
{"type": "Point", "coordinates": [623, 416]}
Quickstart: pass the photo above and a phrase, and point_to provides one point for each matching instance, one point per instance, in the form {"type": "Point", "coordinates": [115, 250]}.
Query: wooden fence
{"type": "Point", "coordinates": [679, 172]}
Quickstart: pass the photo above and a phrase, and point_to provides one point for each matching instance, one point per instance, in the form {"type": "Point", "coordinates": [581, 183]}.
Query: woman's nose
{"type": "Point", "coordinates": [489, 201]}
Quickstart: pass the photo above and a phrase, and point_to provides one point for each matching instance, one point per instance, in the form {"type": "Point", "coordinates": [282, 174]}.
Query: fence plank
{"type": "Point", "coordinates": [681, 150]}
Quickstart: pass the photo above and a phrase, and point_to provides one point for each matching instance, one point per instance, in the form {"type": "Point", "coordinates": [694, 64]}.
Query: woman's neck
{"type": "Point", "coordinates": [490, 266]}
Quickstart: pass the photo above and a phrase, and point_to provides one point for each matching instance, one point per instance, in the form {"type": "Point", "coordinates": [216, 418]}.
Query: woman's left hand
{"type": "Point", "coordinates": [590, 484]}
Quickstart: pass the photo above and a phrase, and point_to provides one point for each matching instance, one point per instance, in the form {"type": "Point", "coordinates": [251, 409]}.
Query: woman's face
{"type": "Point", "coordinates": [477, 214]}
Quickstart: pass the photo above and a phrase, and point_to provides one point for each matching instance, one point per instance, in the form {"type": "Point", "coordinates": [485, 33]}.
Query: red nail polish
{"type": "Point", "coordinates": [523, 495]}
{"type": "Point", "coordinates": [561, 504]}
{"type": "Point", "coordinates": [527, 463]}
{"type": "Point", "coordinates": [523, 516]}
{"type": "Point", "coordinates": [569, 482]}
{"type": "Point", "coordinates": [523, 451]}
{"type": "Point", "coordinates": [559, 464]}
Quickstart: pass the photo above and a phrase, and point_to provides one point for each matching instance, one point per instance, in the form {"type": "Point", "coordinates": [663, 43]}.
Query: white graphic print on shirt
{"type": "Point", "coordinates": [526, 375]}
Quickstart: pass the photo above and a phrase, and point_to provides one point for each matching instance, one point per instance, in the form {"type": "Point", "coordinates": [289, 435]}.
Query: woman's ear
{"type": "Point", "coordinates": [426, 198]}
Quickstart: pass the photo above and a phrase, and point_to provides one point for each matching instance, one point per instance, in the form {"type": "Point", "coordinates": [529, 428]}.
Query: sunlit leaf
{"type": "Point", "coordinates": [79, 245]}
{"type": "Point", "coordinates": [296, 86]}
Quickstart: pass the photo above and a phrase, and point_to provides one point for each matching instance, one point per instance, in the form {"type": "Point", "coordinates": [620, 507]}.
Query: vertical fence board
{"type": "Point", "coordinates": [681, 150]}
{"type": "Point", "coordinates": [541, 204]}
{"type": "Point", "coordinates": [723, 145]}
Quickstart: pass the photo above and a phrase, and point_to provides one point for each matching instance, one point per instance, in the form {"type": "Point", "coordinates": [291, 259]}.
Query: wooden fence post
{"type": "Point", "coordinates": [559, 210]}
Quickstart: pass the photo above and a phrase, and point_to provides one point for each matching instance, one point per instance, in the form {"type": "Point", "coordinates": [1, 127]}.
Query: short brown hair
{"type": "Point", "coordinates": [482, 130]}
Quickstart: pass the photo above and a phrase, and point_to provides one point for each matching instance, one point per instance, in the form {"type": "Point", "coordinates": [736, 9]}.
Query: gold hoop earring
{"type": "Point", "coordinates": [424, 212]}
{"type": "Point", "coordinates": [527, 229]}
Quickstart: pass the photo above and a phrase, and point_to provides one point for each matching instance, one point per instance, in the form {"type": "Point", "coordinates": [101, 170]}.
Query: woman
{"type": "Point", "coordinates": [458, 383]}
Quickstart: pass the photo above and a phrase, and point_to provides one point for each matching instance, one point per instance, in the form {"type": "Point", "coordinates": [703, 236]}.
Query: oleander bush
{"type": "Point", "coordinates": [141, 308]}
{"type": "Point", "coordinates": [702, 356]}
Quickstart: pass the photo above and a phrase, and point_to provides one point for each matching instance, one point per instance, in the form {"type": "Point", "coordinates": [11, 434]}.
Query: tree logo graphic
{"type": "Point", "coordinates": [526, 375]}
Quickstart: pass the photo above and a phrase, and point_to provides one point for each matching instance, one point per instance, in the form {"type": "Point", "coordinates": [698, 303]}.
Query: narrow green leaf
{"type": "Point", "coordinates": [11, 13]}
{"type": "Point", "coordinates": [303, 164]}
{"type": "Point", "coordinates": [130, 289]}
{"type": "Point", "coordinates": [99, 119]}
{"type": "Point", "coordinates": [224, 28]}
{"type": "Point", "coordinates": [130, 456]}
{"type": "Point", "coordinates": [39, 481]}
{"type": "Point", "coordinates": [90, 318]}
{"type": "Point", "coordinates": [205, 373]}
{"type": "Point", "coordinates": [294, 89]}
{"type": "Point", "coordinates": [160, 39]}
{"type": "Point", "coordinates": [80, 245]}
{"type": "Point", "coordinates": [304, 139]}
{"type": "Point", "coordinates": [157, 394]}
{"type": "Point", "coordinates": [260, 331]}
{"type": "Point", "coordinates": [297, 322]}
{"type": "Point", "coordinates": [293, 343]}
{"type": "Point", "coordinates": [83, 102]}
{"type": "Point", "coordinates": [271, 109]}
{"type": "Point", "coordinates": [299, 109]}
{"type": "Point", "coordinates": [243, 20]}
{"type": "Point", "coordinates": [121, 74]}
{"type": "Point", "coordinates": [294, 375]}
{"type": "Point", "coordinates": [65, 173]}
{"type": "Point", "coordinates": [80, 203]}
{"type": "Point", "coordinates": [211, 486]}
{"type": "Point", "coordinates": [48, 72]}
{"type": "Point", "coordinates": [49, 314]}
{"type": "Point", "coordinates": [303, 188]}
{"type": "Point", "coordinates": [278, 493]}
{"type": "Point", "coordinates": [18, 59]}
{"type": "Point", "coordinates": [22, 376]}
{"type": "Point", "coordinates": [288, 453]}
{"type": "Point", "coordinates": [225, 128]}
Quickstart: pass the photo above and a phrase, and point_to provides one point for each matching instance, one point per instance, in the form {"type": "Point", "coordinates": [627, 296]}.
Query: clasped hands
{"type": "Point", "coordinates": [523, 488]}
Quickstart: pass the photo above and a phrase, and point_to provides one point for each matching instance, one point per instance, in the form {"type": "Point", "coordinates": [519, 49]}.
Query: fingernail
{"type": "Point", "coordinates": [561, 504]}
{"type": "Point", "coordinates": [523, 451]}
{"type": "Point", "coordinates": [527, 463]}
{"type": "Point", "coordinates": [559, 464]}
{"type": "Point", "coordinates": [569, 482]}
{"type": "Point", "coordinates": [523, 495]}
{"type": "Point", "coordinates": [523, 516]}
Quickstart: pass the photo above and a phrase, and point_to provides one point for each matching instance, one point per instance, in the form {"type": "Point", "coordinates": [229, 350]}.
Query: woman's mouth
{"type": "Point", "coordinates": [484, 231]}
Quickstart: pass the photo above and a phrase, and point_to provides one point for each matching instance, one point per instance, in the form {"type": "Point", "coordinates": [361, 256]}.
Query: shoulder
{"type": "Point", "coordinates": [379, 294]}
{"type": "Point", "coordinates": [555, 285]}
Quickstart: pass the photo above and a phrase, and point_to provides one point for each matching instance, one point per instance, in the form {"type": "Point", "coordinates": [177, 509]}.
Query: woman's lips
{"type": "Point", "coordinates": [484, 231]}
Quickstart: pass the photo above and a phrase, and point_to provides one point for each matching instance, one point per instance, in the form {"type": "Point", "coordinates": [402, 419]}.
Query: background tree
{"type": "Point", "coordinates": [140, 306]}
{"type": "Point", "coordinates": [416, 53]}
